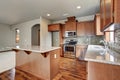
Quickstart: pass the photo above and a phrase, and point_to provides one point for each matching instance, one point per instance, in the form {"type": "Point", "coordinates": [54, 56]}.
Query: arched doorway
{"type": "Point", "coordinates": [36, 35]}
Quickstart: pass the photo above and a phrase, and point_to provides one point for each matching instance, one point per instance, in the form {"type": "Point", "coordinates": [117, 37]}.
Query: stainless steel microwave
{"type": "Point", "coordinates": [70, 33]}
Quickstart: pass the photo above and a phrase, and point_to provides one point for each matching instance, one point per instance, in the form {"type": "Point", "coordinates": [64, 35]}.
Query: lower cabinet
{"type": "Point", "coordinates": [102, 71]}
{"type": "Point", "coordinates": [54, 63]}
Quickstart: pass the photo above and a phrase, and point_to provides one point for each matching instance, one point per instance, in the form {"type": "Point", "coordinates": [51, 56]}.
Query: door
{"type": "Point", "coordinates": [55, 39]}
{"type": "Point", "coordinates": [39, 37]}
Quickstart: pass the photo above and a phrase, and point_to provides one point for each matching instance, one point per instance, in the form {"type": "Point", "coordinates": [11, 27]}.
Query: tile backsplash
{"type": "Point", "coordinates": [117, 35]}
{"type": "Point", "coordinates": [87, 40]}
{"type": "Point", "coordinates": [94, 40]}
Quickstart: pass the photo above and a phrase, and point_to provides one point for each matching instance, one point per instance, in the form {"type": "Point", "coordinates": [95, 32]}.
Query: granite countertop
{"type": "Point", "coordinates": [37, 49]}
{"type": "Point", "coordinates": [5, 49]}
{"type": "Point", "coordinates": [97, 53]}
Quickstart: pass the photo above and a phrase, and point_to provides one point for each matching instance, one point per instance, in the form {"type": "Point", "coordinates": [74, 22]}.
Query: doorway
{"type": "Point", "coordinates": [36, 35]}
{"type": "Point", "coordinates": [55, 39]}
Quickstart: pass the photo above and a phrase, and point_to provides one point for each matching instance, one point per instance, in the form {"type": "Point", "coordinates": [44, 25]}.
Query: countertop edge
{"type": "Point", "coordinates": [101, 60]}
{"type": "Point", "coordinates": [38, 51]}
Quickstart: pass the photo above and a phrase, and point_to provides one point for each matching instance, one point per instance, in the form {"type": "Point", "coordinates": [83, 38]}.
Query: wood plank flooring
{"type": "Point", "coordinates": [70, 69]}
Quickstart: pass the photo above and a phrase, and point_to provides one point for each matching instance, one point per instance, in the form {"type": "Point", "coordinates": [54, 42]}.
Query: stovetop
{"type": "Point", "coordinates": [71, 42]}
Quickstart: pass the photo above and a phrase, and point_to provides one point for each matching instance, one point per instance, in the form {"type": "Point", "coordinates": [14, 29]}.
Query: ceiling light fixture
{"type": "Point", "coordinates": [48, 14]}
{"type": "Point", "coordinates": [78, 7]}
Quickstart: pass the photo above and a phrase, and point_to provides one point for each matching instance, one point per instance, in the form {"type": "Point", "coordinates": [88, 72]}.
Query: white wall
{"type": "Point", "coordinates": [45, 36]}
{"type": "Point", "coordinates": [5, 35]}
{"type": "Point", "coordinates": [80, 19]}
{"type": "Point", "coordinates": [25, 31]}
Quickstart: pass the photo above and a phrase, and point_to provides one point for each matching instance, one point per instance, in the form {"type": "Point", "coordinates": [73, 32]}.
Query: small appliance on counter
{"type": "Point", "coordinates": [70, 48]}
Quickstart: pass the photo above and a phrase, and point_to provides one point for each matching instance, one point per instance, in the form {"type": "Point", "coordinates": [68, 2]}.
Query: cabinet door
{"type": "Point", "coordinates": [85, 28]}
{"type": "Point", "coordinates": [90, 28]}
{"type": "Point", "coordinates": [70, 26]}
{"type": "Point", "coordinates": [80, 28]}
{"type": "Point", "coordinates": [53, 27]}
{"type": "Point", "coordinates": [102, 12]}
{"type": "Point", "coordinates": [78, 51]}
{"type": "Point", "coordinates": [106, 13]}
{"type": "Point", "coordinates": [63, 30]}
{"type": "Point", "coordinates": [54, 62]}
{"type": "Point", "coordinates": [117, 11]}
{"type": "Point", "coordinates": [97, 25]}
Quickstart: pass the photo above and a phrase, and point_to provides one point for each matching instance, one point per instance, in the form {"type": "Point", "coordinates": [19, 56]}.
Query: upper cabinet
{"type": "Point", "coordinates": [116, 11]}
{"type": "Point", "coordinates": [54, 27]}
{"type": "Point", "coordinates": [110, 11]}
{"type": "Point", "coordinates": [97, 25]}
{"type": "Point", "coordinates": [70, 25]}
{"type": "Point", "coordinates": [85, 28]}
{"type": "Point", "coordinates": [80, 28]}
{"type": "Point", "coordinates": [90, 28]}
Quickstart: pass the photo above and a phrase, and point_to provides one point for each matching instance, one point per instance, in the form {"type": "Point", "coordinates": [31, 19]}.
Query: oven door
{"type": "Point", "coordinates": [69, 51]}
{"type": "Point", "coordinates": [69, 48]}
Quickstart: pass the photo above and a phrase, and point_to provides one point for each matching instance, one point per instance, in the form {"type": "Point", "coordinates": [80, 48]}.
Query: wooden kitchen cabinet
{"type": "Point", "coordinates": [63, 30]}
{"type": "Point", "coordinates": [110, 13]}
{"type": "Point", "coordinates": [102, 71]}
{"type": "Point", "coordinates": [70, 25]}
{"type": "Point", "coordinates": [102, 15]}
{"type": "Point", "coordinates": [80, 28]}
{"type": "Point", "coordinates": [106, 13]}
{"type": "Point", "coordinates": [90, 28]}
{"type": "Point", "coordinates": [54, 60]}
{"type": "Point", "coordinates": [54, 27]}
{"type": "Point", "coordinates": [85, 28]}
{"type": "Point", "coordinates": [98, 25]}
{"type": "Point", "coordinates": [116, 11]}
{"type": "Point", "coordinates": [62, 50]}
{"type": "Point", "coordinates": [78, 50]}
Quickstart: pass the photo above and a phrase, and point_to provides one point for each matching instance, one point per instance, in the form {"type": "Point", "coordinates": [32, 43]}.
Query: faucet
{"type": "Point", "coordinates": [104, 42]}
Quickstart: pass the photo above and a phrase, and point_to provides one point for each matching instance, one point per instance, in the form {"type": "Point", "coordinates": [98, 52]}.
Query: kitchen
{"type": "Point", "coordinates": [90, 37]}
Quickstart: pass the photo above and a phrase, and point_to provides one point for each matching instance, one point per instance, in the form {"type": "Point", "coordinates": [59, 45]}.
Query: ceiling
{"type": "Point", "coordinates": [17, 11]}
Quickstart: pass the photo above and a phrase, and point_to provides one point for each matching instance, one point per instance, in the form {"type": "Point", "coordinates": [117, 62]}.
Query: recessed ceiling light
{"type": "Point", "coordinates": [65, 14]}
{"type": "Point", "coordinates": [48, 14]}
{"type": "Point", "coordinates": [78, 7]}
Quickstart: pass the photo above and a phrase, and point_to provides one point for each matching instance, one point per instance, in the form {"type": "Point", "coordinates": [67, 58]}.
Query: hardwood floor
{"type": "Point", "coordinates": [70, 69]}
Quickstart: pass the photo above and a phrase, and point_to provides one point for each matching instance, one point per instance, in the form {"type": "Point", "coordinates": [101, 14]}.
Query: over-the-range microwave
{"type": "Point", "coordinates": [70, 33]}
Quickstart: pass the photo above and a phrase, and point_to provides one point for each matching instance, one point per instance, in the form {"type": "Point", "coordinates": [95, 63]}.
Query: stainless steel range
{"type": "Point", "coordinates": [70, 48]}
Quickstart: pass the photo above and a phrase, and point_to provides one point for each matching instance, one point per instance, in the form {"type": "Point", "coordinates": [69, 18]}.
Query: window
{"type": "Point", "coordinates": [17, 38]}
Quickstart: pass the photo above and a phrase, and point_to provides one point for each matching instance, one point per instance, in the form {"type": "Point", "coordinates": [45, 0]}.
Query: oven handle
{"type": "Point", "coordinates": [73, 47]}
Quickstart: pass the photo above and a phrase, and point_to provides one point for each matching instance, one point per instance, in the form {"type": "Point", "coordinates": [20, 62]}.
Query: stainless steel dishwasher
{"type": "Point", "coordinates": [80, 51]}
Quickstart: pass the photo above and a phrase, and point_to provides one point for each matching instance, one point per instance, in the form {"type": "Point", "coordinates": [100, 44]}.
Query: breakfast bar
{"type": "Point", "coordinates": [39, 61]}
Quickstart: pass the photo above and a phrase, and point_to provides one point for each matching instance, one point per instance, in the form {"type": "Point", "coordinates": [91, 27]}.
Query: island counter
{"type": "Point", "coordinates": [43, 62]}
{"type": "Point", "coordinates": [103, 64]}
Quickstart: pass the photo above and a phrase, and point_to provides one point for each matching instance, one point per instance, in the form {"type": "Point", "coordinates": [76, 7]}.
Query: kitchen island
{"type": "Point", "coordinates": [103, 64]}
{"type": "Point", "coordinates": [39, 61]}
